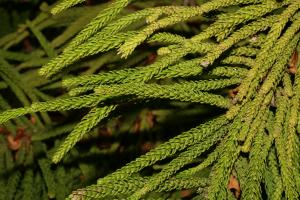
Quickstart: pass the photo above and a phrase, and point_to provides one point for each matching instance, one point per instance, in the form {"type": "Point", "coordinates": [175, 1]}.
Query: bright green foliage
{"type": "Point", "coordinates": [85, 126]}
{"type": "Point", "coordinates": [64, 5]}
{"type": "Point", "coordinates": [224, 73]}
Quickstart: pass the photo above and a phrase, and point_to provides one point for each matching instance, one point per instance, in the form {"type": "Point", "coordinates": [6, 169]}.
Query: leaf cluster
{"type": "Point", "coordinates": [236, 58]}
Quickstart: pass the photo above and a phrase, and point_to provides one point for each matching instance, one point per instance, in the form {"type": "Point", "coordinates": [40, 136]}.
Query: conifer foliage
{"type": "Point", "coordinates": [234, 60]}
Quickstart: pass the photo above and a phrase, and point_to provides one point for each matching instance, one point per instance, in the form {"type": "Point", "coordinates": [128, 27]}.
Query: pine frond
{"type": "Point", "coordinates": [86, 124]}
{"type": "Point", "coordinates": [64, 4]}
{"type": "Point", "coordinates": [228, 68]}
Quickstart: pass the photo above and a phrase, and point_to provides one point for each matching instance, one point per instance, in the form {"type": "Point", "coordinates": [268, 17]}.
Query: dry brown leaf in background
{"type": "Point", "coordinates": [89, 2]}
{"type": "Point", "coordinates": [234, 186]}
{"type": "Point", "coordinates": [185, 193]}
{"type": "Point", "coordinates": [233, 92]}
{"type": "Point", "coordinates": [150, 119]}
{"type": "Point", "coordinates": [33, 120]}
{"type": "Point", "coordinates": [145, 147]}
{"type": "Point", "coordinates": [293, 63]}
{"type": "Point", "coordinates": [189, 3]}
{"type": "Point", "coordinates": [13, 144]}
{"type": "Point", "coordinates": [151, 58]}
{"type": "Point", "coordinates": [137, 125]}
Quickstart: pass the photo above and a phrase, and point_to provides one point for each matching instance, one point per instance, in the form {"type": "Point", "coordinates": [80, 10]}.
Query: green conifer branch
{"type": "Point", "coordinates": [184, 158]}
{"type": "Point", "coordinates": [237, 55]}
{"type": "Point", "coordinates": [128, 47]}
{"type": "Point", "coordinates": [287, 177]}
{"type": "Point", "coordinates": [238, 60]}
{"type": "Point", "coordinates": [237, 36]}
{"type": "Point", "coordinates": [221, 171]}
{"type": "Point", "coordinates": [48, 177]}
{"type": "Point", "coordinates": [264, 60]}
{"type": "Point", "coordinates": [42, 40]}
{"type": "Point", "coordinates": [206, 85]}
{"type": "Point", "coordinates": [167, 38]}
{"type": "Point", "coordinates": [64, 4]}
{"type": "Point", "coordinates": [257, 123]}
{"type": "Point", "coordinates": [12, 184]}
{"type": "Point", "coordinates": [27, 185]}
{"type": "Point", "coordinates": [54, 132]}
{"type": "Point", "coordinates": [167, 149]}
{"type": "Point", "coordinates": [82, 128]}
{"type": "Point", "coordinates": [183, 69]}
{"type": "Point", "coordinates": [173, 92]}
{"type": "Point", "coordinates": [245, 51]}
{"type": "Point", "coordinates": [277, 70]}
{"type": "Point", "coordinates": [54, 105]}
{"type": "Point", "coordinates": [229, 71]}
{"type": "Point", "coordinates": [231, 20]}
{"type": "Point", "coordinates": [99, 22]}
{"type": "Point", "coordinates": [287, 84]}
{"type": "Point", "coordinates": [89, 48]}
{"type": "Point", "coordinates": [258, 156]}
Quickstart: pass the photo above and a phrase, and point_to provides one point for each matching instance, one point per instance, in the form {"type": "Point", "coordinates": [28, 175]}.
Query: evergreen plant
{"type": "Point", "coordinates": [212, 86]}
